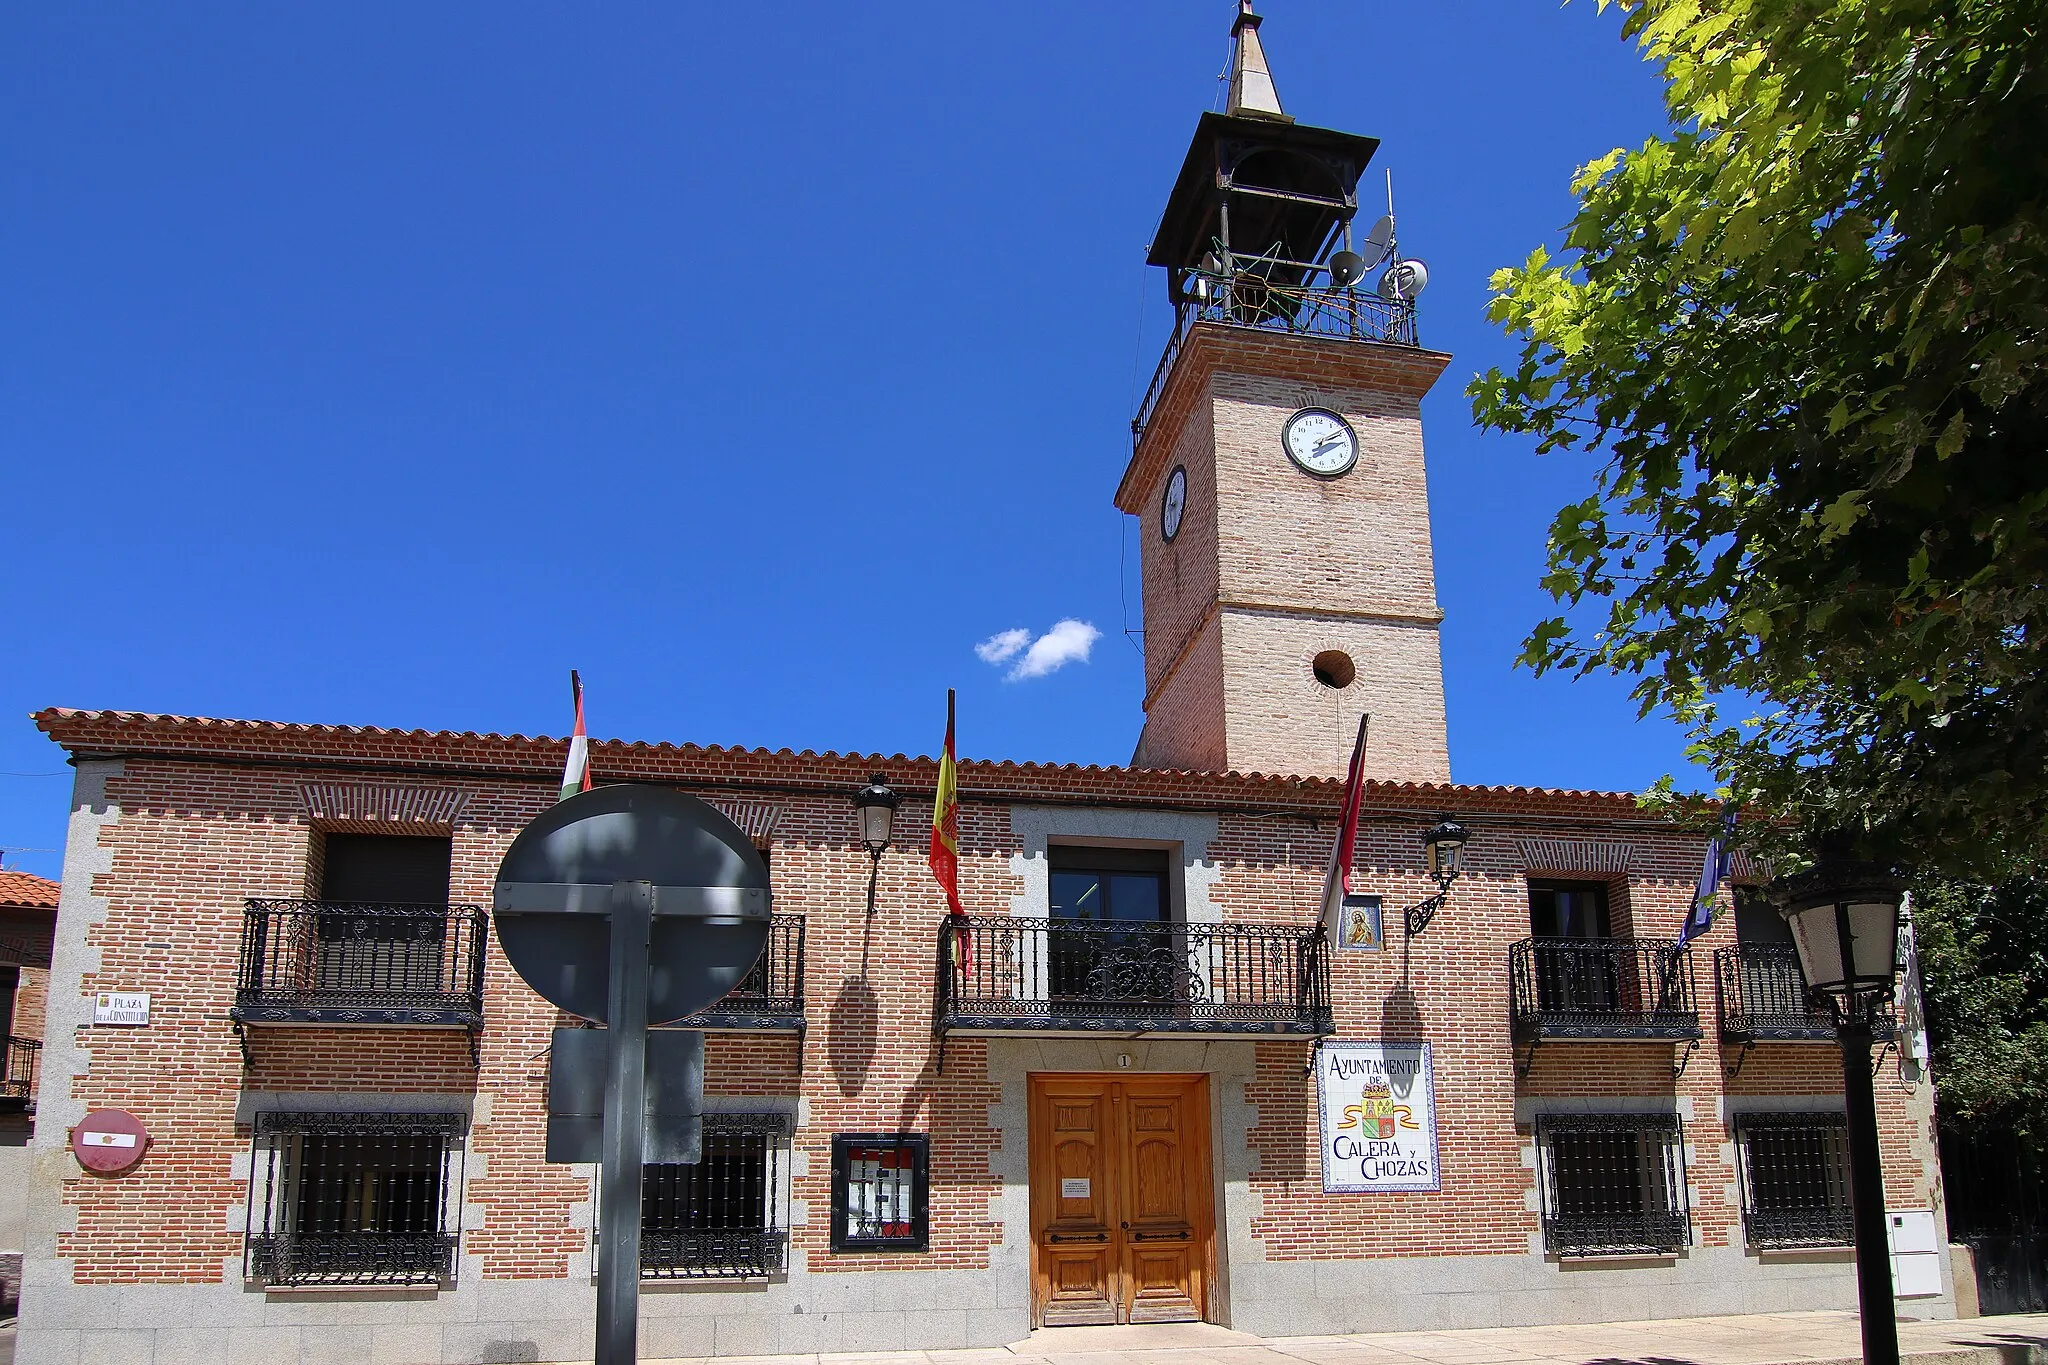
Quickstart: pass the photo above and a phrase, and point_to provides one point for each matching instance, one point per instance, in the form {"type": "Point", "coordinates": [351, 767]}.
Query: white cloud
{"type": "Point", "coordinates": [1066, 642]}
{"type": "Point", "coordinates": [1001, 646]}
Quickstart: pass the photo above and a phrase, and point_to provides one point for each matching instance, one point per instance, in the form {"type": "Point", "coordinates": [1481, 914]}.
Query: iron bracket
{"type": "Point", "coordinates": [242, 1042]}
{"type": "Point", "coordinates": [1692, 1045]}
{"type": "Point", "coordinates": [1741, 1057]}
{"type": "Point", "coordinates": [1524, 1065]}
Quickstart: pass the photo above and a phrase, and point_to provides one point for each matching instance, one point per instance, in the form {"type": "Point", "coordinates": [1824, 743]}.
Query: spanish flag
{"type": "Point", "coordinates": [945, 855]}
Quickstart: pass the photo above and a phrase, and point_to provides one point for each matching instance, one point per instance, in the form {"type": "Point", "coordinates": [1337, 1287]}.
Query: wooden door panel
{"type": "Point", "coordinates": [1119, 1199]}
{"type": "Point", "coordinates": [1160, 1280]}
{"type": "Point", "coordinates": [1079, 1289]}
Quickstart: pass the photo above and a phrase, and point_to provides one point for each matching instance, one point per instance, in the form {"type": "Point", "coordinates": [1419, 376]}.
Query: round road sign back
{"type": "Point", "coordinates": [709, 892]}
{"type": "Point", "coordinates": [109, 1141]}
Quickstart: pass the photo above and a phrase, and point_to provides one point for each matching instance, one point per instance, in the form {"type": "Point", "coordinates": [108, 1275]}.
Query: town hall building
{"type": "Point", "coordinates": [292, 1097]}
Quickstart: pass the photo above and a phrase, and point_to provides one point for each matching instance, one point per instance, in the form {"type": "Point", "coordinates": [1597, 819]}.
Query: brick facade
{"type": "Point", "coordinates": [1272, 566]}
{"type": "Point", "coordinates": [187, 819]}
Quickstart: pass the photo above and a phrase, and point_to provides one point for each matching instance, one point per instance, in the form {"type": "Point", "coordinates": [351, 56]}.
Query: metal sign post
{"type": "Point", "coordinates": [630, 906]}
{"type": "Point", "coordinates": [625, 1133]}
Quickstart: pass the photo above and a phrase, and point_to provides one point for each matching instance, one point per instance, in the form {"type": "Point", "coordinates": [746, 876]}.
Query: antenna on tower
{"type": "Point", "coordinates": [1403, 279]}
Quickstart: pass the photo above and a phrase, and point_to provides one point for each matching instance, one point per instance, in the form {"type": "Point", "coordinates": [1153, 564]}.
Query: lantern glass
{"type": "Point", "coordinates": [1872, 949]}
{"type": "Point", "coordinates": [877, 807]}
{"type": "Point", "coordinates": [1445, 845]}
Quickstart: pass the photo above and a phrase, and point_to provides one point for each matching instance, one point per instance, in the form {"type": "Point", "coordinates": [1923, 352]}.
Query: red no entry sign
{"type": "Point", "coordinates": [109, 1141]}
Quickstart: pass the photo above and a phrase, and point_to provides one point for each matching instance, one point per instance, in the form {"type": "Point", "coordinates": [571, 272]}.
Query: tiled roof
{"type": "Point", "coordinates": [22, 888]}
{"type": "Point", "coordinates": [114, 733]}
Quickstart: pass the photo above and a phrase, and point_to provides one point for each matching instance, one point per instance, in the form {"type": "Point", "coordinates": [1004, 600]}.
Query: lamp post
{"type": "Point", "coordinates": [876, 806]}
{"type": "Point", "coordinates": [1444, 851]}
{"type": "Point", "coordinates": [1844, 917]}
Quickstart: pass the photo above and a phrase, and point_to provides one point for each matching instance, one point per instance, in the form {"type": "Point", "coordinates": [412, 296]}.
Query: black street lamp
{"type": "Point", "coordinates": [1444, 850]}
{"type": "Point", "coordinates": [876, 806]}
{"type": "Point", "coordinates": [1845, 923]}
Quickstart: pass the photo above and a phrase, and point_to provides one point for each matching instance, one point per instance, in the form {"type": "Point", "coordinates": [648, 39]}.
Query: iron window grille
{"type": "Point", "coordinates": [1795, 1179]}
{"type": "Point", "coordinates": [353, 1198]}
{"type": "Point", "coordinates": [19, 1060]}
{"type": "Point", "coordinates": [1613, 1184]}
{"type": "Point", "coordinates": [725, 1216]}
{"type": "Point", "coordinates": [880, 1191]}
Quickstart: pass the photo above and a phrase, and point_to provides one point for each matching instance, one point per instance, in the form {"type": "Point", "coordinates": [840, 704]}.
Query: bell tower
{"type": "Point", "coordinates": [1277, 475]}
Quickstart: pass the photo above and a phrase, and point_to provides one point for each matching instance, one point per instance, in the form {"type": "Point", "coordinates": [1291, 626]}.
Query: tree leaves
{"type": "Point", "coordinates": [1806, 333]}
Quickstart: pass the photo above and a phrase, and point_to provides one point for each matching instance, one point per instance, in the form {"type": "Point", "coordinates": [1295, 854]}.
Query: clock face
{"type": "Point", "coordinates": [1321, 442]}
{"type": "Point", "coordinates": [1173, 503]}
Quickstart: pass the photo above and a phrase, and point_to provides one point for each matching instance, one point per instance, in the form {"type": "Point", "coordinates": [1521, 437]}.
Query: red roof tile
{"type": "Point", "coordinates": [22, 888]}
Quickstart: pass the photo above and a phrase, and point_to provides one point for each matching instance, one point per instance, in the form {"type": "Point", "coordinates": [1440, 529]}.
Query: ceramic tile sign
{"type": "Point", "coordinates": [129, 1008]}
{"type": "Point", "coordinates": [1358, 924]}
{"type": "Point", "coordinates": [109, 1141]}
{"type": "Point", "coordinates": [1378, 1103]}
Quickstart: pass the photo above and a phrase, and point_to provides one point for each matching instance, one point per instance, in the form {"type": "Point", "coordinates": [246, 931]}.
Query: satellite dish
{"type": "Point", "coordinates": [1404, 280]}
{"type": "Point", "coordinates": [1347, 268]}
{"type": "Point", "coordinates": [1379, 241]}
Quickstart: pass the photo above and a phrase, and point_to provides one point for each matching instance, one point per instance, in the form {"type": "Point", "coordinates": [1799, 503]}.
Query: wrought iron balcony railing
{"type": "Point", "coordinates": [1601, 988]}
{"type": "Point", "coordinates": [1303, 310]}
{"type": "Point", "coordinates": [353, 1257]}
{"type": "Point", "coordinates": [1763, 998]}
{"type": "Point", "coordinates": [771, 996]}
{"type": "Point", "coordinates": [1034, 975]}
{"type": "Point", "coordinates": [19, 1060]}
{"type": "Point", "coordinates": [347, 962]}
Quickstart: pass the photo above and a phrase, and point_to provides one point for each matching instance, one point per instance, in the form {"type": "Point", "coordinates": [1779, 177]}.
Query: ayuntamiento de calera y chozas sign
{"type": "Point", "coordinates": [1378, 1103]}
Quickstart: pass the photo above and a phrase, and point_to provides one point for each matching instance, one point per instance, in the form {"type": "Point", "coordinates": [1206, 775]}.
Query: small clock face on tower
{"type": "Point", "coordinates": [1173, 502]}
{"type": "Point", "coordinates": [1321, 442]}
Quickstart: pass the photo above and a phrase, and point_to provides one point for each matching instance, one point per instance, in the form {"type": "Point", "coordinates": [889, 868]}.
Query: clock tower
{"type": "Point", "coordinates": [1278, 476]}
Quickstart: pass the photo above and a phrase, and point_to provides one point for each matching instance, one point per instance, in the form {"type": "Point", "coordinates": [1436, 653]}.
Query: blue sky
{"type": "Point", "coordinates": [377, 363]}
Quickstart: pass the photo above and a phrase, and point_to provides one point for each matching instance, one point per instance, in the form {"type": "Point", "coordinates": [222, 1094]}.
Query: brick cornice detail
{"type": "Point", "coordinates": [1575, 855]}
{"type": "Point", "coordinates": [369, 806]}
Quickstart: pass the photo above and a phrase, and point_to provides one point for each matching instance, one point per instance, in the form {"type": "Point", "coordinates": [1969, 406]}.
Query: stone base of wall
{"type": "Point", "coordinates": [494, 1321]}
{"type": "Point", "coordinates": [1407, 1294]}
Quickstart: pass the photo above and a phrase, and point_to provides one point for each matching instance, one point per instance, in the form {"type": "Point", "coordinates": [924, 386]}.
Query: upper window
{"type": "Point", "coordinates": [354, 1199]}
{"type": "Point", "coordinates": [1795, 1179]}
{"type": "Point", "coordinates": [1127, 885]}
{"type": "Point", "coordinates": [1568, 910]}
{"type": "Point", "coordinates": [723, 1216]}
{"type": "Point", "coordinates": [385, 868]}
{"type": "Point", "coordinates": [1757, 922]}
{"type": "Point", "coordinates": [1613, 1184]}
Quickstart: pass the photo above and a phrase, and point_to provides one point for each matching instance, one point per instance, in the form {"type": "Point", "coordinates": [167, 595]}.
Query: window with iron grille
{"type": "Point", "coordinates": [1795, 1179]}
{"type": "Point", "coordinates": [354, 1198]}
{"type": "Point", "coordinates": [879, 1191]}
{"type": "Point", "coordinates": [723, 1217]}
{"type": "Point", "coordinates": [1613, 1184]}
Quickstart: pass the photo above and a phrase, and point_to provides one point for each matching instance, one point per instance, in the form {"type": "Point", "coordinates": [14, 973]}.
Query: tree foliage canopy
{"type": "Point", "coordinates": [1984, 959]}
{"type": "Point", "coordinates": [1805, 334]}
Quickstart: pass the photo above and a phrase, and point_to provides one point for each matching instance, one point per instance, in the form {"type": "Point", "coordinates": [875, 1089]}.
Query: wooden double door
{"type": "Point", "coordinates": [1122, 1221]}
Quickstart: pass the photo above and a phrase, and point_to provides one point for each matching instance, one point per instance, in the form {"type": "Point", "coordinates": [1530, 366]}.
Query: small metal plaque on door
{"type": "Point", "coordinates": [1074, 1187]}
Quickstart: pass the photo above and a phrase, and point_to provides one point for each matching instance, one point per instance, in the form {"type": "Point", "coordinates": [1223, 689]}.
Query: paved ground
{"type": "Point", "coordinates": [1761, 1339]}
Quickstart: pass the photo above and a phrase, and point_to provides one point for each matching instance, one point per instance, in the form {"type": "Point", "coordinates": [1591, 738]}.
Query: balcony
{"type": "Point", "coordinates": [1762, 996]}
{"type": "Point", "coordinates": [339, 962]}
{"type": "Point", "coordinates": [1601, 988]}
{"type": "Point", "coordinates": [1251, 302]}
{"type": "Point", "coordinates": [1021, 976]}
{"type": "Point", "coordinates": [19, 1061]}
{"type": "Point", "coordinates": [770, 998]}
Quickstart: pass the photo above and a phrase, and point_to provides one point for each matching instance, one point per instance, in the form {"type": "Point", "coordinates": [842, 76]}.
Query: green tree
{"type": "Point", "coordinates": [1984, 962]}
{"type": "Point", "coordinates": [1802, 335]}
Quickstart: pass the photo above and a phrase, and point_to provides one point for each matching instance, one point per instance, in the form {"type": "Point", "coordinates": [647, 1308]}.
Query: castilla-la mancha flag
{"type": "Point", "coordinates": [945, 855]}
{"type": "Point", "coordinates": [576, 772]}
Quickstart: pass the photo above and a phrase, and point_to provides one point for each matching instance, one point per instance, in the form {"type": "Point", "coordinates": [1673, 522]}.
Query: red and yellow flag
{"type": "Point", "coordinates": [945, 857]}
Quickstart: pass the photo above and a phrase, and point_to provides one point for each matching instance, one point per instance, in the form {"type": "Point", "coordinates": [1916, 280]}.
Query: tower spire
{"type": "Point", "coordinates": [1252, 94]}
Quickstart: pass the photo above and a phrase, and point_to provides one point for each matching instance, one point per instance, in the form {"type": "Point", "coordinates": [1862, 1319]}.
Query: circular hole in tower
{"type": "Point", "coordinates": [1333, 669]}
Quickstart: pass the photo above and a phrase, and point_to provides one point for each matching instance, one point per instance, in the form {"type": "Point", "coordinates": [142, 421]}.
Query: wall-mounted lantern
{"type": "Point", "coordinates": [875, 804]}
